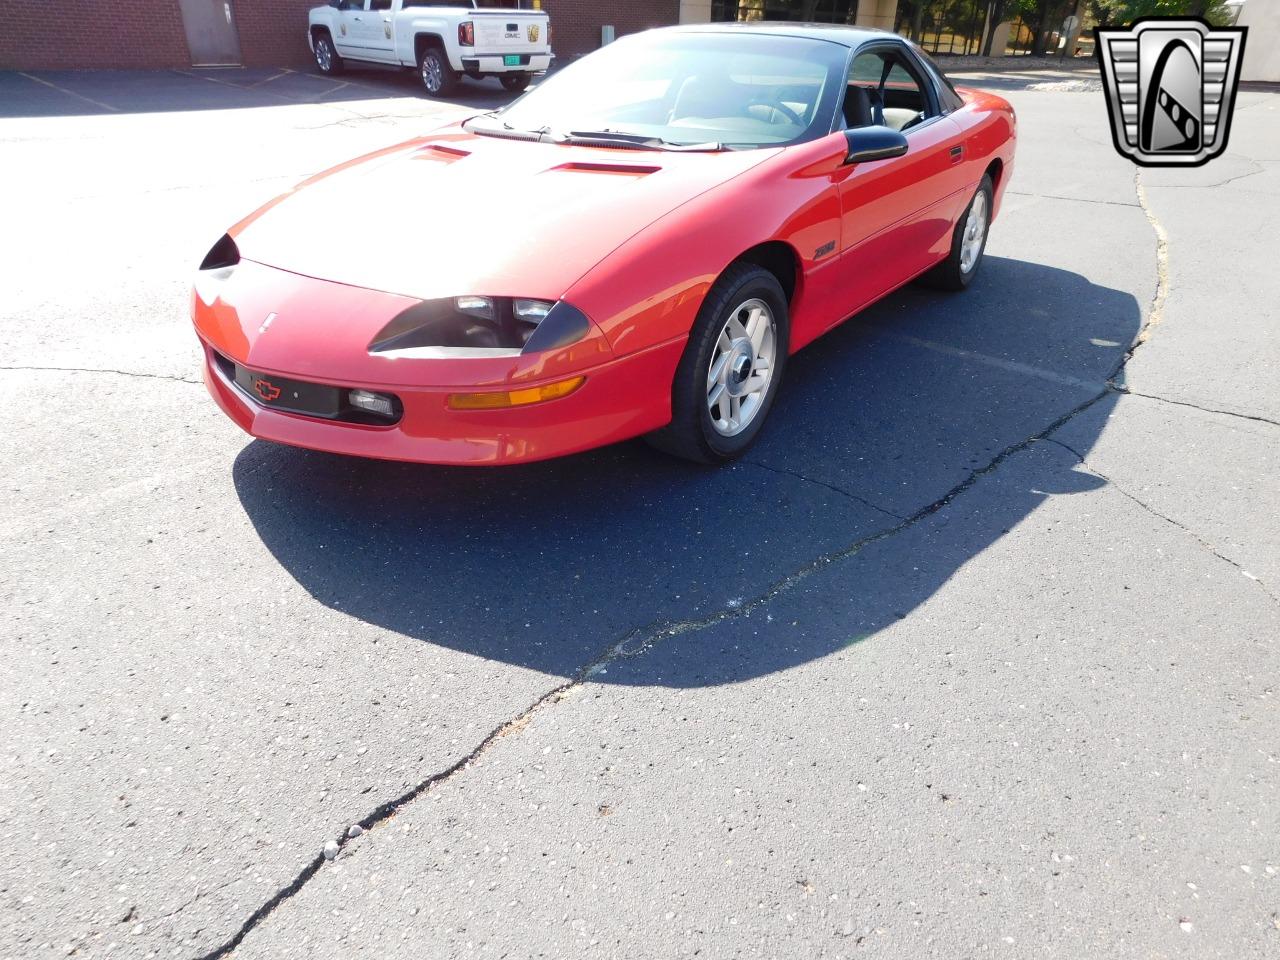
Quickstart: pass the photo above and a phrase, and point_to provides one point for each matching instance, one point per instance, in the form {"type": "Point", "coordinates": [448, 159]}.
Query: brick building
{"type": "Point", "coordinates": [148, 34]}
{"type": "Point", "coordinates": [142, 34]}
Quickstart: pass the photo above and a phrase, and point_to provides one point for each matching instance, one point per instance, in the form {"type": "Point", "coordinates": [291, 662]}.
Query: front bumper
{"type": "Point", "coordinates": [620, 399]}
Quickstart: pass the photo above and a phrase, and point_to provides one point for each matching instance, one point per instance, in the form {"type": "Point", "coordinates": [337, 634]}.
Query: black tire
{"type": "Point", "coordinates": [514, 82]}
{"type": "Point", "coordinates": [437, 77]}
{"type": "Point", "coordinates": [691, 433]}
{"type": "Point", "coordinates": [326, 54]}
{"type": "Point", "coordinates": [951, 274]}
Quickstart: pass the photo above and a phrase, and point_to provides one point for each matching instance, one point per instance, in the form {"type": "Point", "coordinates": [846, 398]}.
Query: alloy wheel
{"type": "Point", "coordinates": [432, 74]}
{"type": "Point", "coordinates": [975, 232]}
{"type": "Point", "coordinates": [741, 367]}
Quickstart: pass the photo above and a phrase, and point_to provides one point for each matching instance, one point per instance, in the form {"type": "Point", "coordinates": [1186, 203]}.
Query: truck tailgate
{"type": "Point", "coordinates": [511, 31]}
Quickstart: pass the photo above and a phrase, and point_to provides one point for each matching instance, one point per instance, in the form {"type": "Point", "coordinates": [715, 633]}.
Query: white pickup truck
{"type": "Point", "coordinates": [441, 39]}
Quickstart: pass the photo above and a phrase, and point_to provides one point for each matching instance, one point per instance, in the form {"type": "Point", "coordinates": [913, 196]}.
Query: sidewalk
{"type": "Point", "coordinates": [1063, 75]}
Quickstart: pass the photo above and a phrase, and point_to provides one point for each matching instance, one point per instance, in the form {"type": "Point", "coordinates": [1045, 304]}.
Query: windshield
{"type": "Point", "coordinates": [739, 90]}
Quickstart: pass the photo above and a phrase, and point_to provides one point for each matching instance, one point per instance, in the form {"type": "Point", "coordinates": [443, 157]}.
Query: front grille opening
{"type": "Point", "coordinates": [227, 368]}
{"type": "Point", "coordinates": [304, 397]}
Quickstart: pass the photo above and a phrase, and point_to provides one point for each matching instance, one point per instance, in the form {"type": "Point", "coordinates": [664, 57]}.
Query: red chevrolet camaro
{"type": "Point", "coordinates": [633, 248]}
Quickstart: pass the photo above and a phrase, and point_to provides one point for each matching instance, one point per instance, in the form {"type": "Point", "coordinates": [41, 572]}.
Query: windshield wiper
{"type": "Point", "coordinates": [615, 138]}
{"type": "Point", "coordinates": [604, 138]}
{"type": "Point", "coordinates": [506, 128]}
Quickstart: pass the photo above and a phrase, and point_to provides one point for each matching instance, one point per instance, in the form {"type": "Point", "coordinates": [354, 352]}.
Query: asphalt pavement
{"type": "Point", "coordinates": [975, 653]}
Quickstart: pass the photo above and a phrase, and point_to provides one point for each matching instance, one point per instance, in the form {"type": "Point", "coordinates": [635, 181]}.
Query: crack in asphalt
{"type": "Point", "coordinates": [106, 370]}
{"type": "Point", "coordinates": [643, 639]}
{"type": "Point", "coordinates": [632, 644]}
{"type": "Point", "coordinates": [388, 809]}
{"type": "Point", "coordinates": [822, 483]}
{"type": "Point", "coordinates": [1156, 314]}
{"type": "Point", "coordinates": [1166, 518]}
{"type": "Point", "coordinates": [1256, 418]}
{"type": "Point", "coordinates": [1161, 294]}
{"type": "Point", "coordinates": [1054, 196]}
{"type": "Point", "coordinates": [1216, 183]}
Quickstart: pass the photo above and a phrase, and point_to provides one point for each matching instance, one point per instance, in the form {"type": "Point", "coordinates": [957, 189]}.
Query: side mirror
{"type": "Point", "coordinates": [874, 143]}
{"type": "Point", "coordinates": [340, 4]}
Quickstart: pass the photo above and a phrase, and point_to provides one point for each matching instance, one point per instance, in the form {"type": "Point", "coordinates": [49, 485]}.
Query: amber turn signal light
{"type": "Point", "coordinates": [501, 399]}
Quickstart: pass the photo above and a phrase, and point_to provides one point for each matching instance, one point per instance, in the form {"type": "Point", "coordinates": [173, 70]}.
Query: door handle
{"type": "Point", "coordinates": [956, 154]}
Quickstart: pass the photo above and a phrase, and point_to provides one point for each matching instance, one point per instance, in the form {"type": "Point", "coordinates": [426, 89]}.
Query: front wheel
{"type": "Point", "coordinates": [514, 82]}
{"type": "Point", "coordinates": [438, 78]}
{"type": "Point", "coordinates": [968, 242]}
{"type": "Point", "coordinates": [327, 60]}
{"type": "Point", "coordinates": [731, 369]}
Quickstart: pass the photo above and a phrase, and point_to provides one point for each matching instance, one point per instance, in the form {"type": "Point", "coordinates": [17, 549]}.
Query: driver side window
{"type": "Point", "coordinates": [883, 89]}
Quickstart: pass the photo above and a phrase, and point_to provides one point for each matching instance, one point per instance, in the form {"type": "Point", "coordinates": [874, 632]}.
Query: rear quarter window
{"type": "Point", "coordinates": [948, 98]}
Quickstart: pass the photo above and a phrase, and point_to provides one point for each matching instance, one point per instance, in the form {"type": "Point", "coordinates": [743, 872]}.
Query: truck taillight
{"type": "Point", "coordinates": [467, 33]}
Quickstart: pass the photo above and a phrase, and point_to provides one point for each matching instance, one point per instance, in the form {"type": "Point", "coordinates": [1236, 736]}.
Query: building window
{"type": "Point", "coordinates": [812, 11]}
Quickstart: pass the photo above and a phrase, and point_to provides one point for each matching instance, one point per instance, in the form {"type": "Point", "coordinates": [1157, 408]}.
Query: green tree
{"type": "Point", "coordinates": [1118, 13]}
{"type": "Point", "coordinates": [1042, 16]}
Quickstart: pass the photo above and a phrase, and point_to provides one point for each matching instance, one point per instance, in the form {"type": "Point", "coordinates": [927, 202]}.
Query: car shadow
{"type": "Point", "coordinates": [54, 93]}
{"type": "Point", "coordinates": [546, 565]}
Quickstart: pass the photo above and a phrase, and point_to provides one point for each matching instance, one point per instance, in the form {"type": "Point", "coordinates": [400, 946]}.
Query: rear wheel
{"type": "Point", "coordinates": [514, 82]}
{"type": "Point", "coordinates": [438, 78]}
{"type": "Point", "coordinates": [968, 242]}
{"type": "Point", "coordinates": [731, 368]}
{"type": "Point", "coordinates": [327, 59]}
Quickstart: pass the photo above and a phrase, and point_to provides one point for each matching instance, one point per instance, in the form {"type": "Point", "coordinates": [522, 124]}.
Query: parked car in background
{"type": "Point", "coordinates": [442, 39]}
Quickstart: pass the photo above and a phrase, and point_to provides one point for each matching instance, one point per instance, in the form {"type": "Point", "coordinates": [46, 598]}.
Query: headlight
{"type": "Point", "coordinates": [531, 311]}
{"type": "Point", "coordinates": [480, 326]}
{"type": "Point", "coordinates": [475, 306]}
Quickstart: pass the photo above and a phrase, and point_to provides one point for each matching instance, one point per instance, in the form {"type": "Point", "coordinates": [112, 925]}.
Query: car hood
{"type": "Point", "coordinates": [456, 213]}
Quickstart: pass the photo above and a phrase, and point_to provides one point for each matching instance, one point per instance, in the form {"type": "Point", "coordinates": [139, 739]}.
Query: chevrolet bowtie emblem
{"type": "Point", "coordinates": [1170, 84]}
{"type": "Point", "coordinates": [266, 389]}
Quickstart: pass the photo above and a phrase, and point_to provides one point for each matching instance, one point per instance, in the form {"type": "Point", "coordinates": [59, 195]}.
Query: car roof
{"type": "Point", "coordinates": [848, 36]}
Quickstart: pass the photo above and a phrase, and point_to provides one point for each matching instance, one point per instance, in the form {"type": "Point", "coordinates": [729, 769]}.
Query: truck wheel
{"type": "Point", "coordinates": [327, 58]}
{"type": "Point", "coordinates": [438, 78]}
{"type": "Point", "coordinates": [514, 82]}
